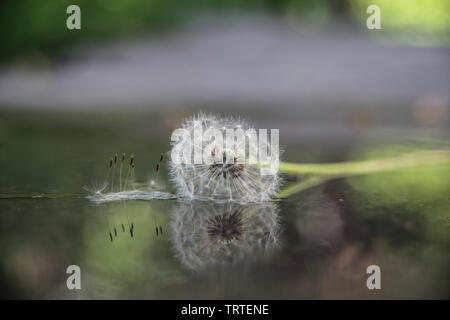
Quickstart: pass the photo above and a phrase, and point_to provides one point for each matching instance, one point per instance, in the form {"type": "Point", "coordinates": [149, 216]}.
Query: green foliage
{"type": "Point", "coordinates": [28, 27]}
{"type": "Point", "coordinates": [413, 15]}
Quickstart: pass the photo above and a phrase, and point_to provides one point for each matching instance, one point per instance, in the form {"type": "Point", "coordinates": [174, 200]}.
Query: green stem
{"type": "Point", "coordinates": [303, 185]}
{"type": "Point", "coordinates": [409, 160]}
{"type": "Point", "coordinates": [322, 172]}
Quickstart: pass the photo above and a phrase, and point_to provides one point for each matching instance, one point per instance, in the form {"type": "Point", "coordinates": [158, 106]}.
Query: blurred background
{"type": "Point", "coordinates": [70, 99]}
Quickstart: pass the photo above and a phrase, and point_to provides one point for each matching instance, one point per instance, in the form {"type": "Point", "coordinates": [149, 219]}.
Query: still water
{"type": "Point", "coordinates": [315, 244]}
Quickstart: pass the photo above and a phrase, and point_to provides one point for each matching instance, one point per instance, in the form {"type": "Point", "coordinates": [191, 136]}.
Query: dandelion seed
{"type": "Point", "coordinates": [112, 175]}
{"type": "Point", "coordinates": [155, 184]}
{"type": "Point", "coordinates": [96, 188]}
{"type": "Point", "coordinates": [132, 160]}
{"type": "Point", "coordinates": [120, 172]}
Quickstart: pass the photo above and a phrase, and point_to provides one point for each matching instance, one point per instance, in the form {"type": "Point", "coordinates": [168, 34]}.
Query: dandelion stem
{"type": "Point", "coordinates": [303, 185]}
{"type": "Point", "coordinates": [322, 172]}
{"type": "Point", "coordinates": [409, 160]}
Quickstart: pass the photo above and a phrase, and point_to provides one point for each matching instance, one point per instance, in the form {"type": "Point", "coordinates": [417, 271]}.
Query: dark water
{"type": "Point", "coordinates": [315, 244]}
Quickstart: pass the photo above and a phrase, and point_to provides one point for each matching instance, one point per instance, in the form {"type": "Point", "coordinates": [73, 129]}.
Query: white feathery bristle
{"type": "Point", "coordinates": [241, 183]}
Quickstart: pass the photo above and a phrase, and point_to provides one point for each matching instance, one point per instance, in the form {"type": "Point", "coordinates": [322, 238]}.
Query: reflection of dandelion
{"type": "Point", "coordinates": [225, 227]}
{"type": "Point", "coordinates": [237, 180]}
{"type": "Point", "coordinates": [208, 234]}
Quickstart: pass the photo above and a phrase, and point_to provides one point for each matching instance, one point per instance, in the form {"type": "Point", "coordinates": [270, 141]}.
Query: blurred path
{"type": "Point", "coordinates": [253, 60]}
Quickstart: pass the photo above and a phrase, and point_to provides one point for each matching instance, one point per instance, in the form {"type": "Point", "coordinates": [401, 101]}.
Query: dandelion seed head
{"type": "Point", "coordinates": [234, 178]}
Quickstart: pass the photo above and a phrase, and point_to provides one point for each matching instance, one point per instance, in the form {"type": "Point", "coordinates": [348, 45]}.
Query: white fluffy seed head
{"type": "Point", "coordinates": [239, 180]}
{"type": "Point", "coordinates": [209, 234]}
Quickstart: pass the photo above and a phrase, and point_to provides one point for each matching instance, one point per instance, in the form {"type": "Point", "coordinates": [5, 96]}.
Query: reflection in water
{"type": "Point", "coordinates": [226, 227]}
{"type": "Point", "coordinates": [207, 234]}
{"type": "Point", "coordinates": [116, 218]}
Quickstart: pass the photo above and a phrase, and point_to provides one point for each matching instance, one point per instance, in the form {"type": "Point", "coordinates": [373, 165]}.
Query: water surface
{"type": "Point", "coordinates": [315, 244]}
